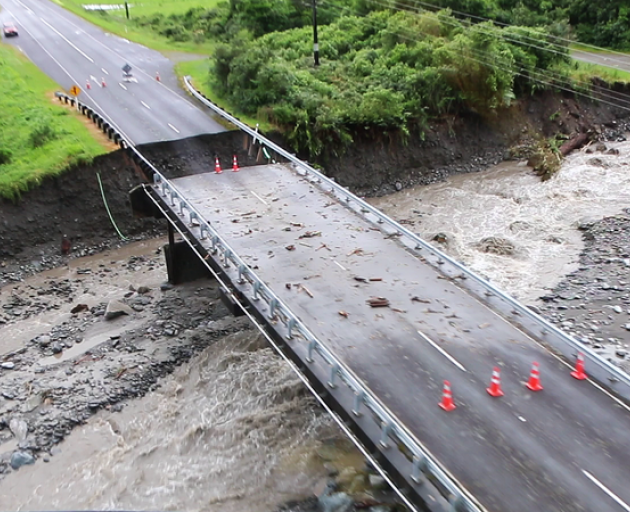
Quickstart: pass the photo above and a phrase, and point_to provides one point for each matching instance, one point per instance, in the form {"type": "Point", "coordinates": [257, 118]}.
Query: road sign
{"type": "Point", "coordinates": [75, 90]}
{"type": "Point", "coordinates": [126, 68]}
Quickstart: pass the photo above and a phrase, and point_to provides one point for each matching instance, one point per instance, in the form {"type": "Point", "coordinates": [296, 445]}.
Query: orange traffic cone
{"type": "Point", "coordinates": [447, 398]}
{"type": "Point", "coordinates": [578, 373]}
{"type": "Point", "coordinates": [234, 164]}
{"type": "Point", "coordinates": [157, 76]}
{"type": "Point", "coordinates": [88, 85]}
{"type": "Point", "coordinates": [217, 166]}
{"type": "Point", "coordinates": [103, 84]}
{"type": "Point", "coordinates": [495, 383]}
{"type": "Point", "coordinates": [534, 379]}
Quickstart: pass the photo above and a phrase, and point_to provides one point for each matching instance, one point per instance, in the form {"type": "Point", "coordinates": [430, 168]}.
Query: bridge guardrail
{"type": "Point", "coordinates": [424, 466]}
{"type": "Point", "coordinates": [597, 367]}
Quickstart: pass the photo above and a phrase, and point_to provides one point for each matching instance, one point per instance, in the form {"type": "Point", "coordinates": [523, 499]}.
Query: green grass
{"type": "Point", "coordinates": [584, 71]}
{"type": "Point", "coordinates": [115, 21]}
{"type": "Point", "coordinates": [198, 71]}
{"type": "Point", "coordinates": [38, 138]}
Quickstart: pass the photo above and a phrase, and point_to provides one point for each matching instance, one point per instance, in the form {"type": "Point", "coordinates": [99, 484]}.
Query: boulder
{"type": "Point", "coordinates": [115, 308]}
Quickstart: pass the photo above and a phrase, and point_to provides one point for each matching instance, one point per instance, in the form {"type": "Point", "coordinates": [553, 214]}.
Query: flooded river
{"type": "Point", "coordinates": [510, 227]}
{"type": "Point", "coordinates": [232, 430]}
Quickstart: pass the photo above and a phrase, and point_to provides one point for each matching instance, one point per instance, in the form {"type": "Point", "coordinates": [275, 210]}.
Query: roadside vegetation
{"type": "Point", "coordinates": [37, 137]}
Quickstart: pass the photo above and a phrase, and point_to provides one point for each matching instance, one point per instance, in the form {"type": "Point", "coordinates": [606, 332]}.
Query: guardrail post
{"type": "Point", "coordinates": [215, 241]}
{"type": "Point", "coordinates": [385, 429]}
{"type": "Point", "coordinates": [290, 325]}
{"type": "Point", "coordinates": [227, 254]}
{"type": "Point", "coordinates": [334, 370]}
{"type": "Point", "coordinates": [182, 205]}
{"type": "Point", "coordinates": [256, 290]}
{"type": "Point", "coordinates": [358, 401]}
{"type": "Point", "coordinates": [241, 270]}
{"type": "Point", "coordinates": [273, 304]}
{"type": "Point", "coordinates": [416, 471]}
{"type": "Point", "coordinates": [193, 218]}
{"type": "Point", "coordinates": [311, 348]}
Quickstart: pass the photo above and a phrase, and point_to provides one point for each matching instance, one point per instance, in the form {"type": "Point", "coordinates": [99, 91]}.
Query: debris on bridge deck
{"type": "Point", "coordinates": [378, 302]}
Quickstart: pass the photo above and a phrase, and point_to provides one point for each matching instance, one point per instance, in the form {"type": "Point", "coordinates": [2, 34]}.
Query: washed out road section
{"type": "Point", "coordinates": [521, 452]}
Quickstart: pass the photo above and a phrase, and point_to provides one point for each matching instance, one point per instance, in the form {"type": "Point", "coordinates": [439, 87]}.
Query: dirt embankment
{"type": "Point", "coordinates": [72, 204]}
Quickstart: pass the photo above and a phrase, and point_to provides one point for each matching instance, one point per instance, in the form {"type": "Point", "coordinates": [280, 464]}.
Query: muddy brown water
{"type": "Point", "coordinates": [230, 430]}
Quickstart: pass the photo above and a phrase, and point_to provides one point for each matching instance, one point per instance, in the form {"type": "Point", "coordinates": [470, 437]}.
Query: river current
{"type": "Point", "coordinates": [232, 431]}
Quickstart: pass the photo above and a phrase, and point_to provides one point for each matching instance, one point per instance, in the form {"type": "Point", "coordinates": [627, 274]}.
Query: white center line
{"type": "Point", "coordinates": [122, 86]}
{"type": "Point", "coordinates": [104, 71]}
{"type": "Point", "coordinates": [616, 498]}
{"type": "Point", "coordinates": [339, 265]}
{"type": "Point", "coordinates": [173, 128]}
{"type": "Point", "coordinates": [259, 198]}
{"type": "Point", "coordinates": [442, 351]}
{"type": "Point", "coordinates": [67, 40]}
{"type": "Point", "coordinates": [144, 104]}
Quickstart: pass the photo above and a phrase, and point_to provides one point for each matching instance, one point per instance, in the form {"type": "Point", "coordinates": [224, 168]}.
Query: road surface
{"type": "Point", "coordinates": [74, 52]}
{"type": "Point", "coordinates": [560, 449]}
{"type": "Point", "coordinates": [619, 61]}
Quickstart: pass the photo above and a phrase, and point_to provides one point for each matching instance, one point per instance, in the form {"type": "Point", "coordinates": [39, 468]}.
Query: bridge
{"type": "Point", "coordinates": [374, 319]}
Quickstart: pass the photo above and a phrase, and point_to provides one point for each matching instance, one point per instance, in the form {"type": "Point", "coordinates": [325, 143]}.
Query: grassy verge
{"type": "Point", "coordinates": [37, 137]}
{"type": "Point", "coordinates": [585, 71]}
{"type": "Point", "coordinates": [198, 71]}
{"type": "Point", "coordinates": [116, 22]}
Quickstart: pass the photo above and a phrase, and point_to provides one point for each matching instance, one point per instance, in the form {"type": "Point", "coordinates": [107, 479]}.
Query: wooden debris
{"type": "Point", "coordinates": [308, 292]}
{"type": "Point", "coordinates": [343, 314]}
{"type": "Point", "coordinates": [418, 299]}
{"type": "Point", "coordinates": [376, 278]}
{"type": "Point", "coordinates": [406, 221]}
{"type": "Point", "coordinates": [297, 224]}
{"type": "Point", "coordinates": [323, 246]}
{"type": "Point", "coordinates": [311, 234]}
{"type": "Point", "coordinates": [248, 213]}
{"type": "Point", "coordinates": [378, 302]}
{"type": "Point", "coordinates": [357, 251]}
{"type": "Point", "coordinates": [399, 310]}
{"type": "Point", "coordinates": [360, 279]}
{"type": "Point", "coordinates": [290, 247]}
{"type": "Point", "coordinates": [288, 286]}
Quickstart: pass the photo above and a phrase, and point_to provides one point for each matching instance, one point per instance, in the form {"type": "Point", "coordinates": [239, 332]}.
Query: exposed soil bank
{"type": "Point", "coordinates": [31, 230]}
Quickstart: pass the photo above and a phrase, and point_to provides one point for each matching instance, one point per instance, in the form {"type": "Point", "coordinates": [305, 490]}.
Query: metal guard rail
{"type": "Point", "coordinates": [423, 462]}
{"type": "Point", "coordinates": [598, 368]}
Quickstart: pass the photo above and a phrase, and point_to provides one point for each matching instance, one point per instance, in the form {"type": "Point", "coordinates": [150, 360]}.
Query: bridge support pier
{"type": "Point", "coordinates": [182, 264]}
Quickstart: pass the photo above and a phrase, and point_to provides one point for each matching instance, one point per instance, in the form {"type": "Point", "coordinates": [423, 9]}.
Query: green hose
{"type": "Point", "coordinates": [111, 218]}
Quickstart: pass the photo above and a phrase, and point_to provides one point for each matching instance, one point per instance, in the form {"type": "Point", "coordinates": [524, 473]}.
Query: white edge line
{"type": "Point", "coordinates": [442, 351]}
{"type": "Point", "coordinates": [145, 105]}
{"type": "Point", "coordinates": [104, 71]}
{"type": "Point", "coordinates": [173, 128]}
{"type": "Point", "coordinates": [616, 498]}
{"type": "Point", "coordinates": [339, 265]}
{"type": "Point", "coordinates": [259, 198]}
{"type": "Point", "coordinates": [122, 86]}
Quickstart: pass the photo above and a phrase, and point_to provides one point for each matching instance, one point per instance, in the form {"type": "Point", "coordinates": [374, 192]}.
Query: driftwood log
{"type": "Point", "coordinates": [574, 143]}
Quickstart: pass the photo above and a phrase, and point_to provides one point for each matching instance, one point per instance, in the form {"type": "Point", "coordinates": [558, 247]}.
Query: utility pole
{"type": "Point", "coordinates": [315, 43]}
{"type": "Point", "coordinates": [127, 9]}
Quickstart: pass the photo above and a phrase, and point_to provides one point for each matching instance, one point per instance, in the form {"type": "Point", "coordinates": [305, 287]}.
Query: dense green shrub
{"type": "Point", "coordinates": [389, 70]}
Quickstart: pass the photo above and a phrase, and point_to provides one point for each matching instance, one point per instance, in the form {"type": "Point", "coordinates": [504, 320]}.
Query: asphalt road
{"type": "Point", "coordinates": [618, 61]}
{"type": "Point", "coordinates": [561, 449]}
{"type": "Point", "coordinates": [74, 52]}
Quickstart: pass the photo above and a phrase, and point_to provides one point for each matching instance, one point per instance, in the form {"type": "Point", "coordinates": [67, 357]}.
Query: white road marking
{"type": "Point", "coordinates": [122, 86]}
{"type": "Point", "coordinates": [616, 498]}
{"type": "Point", "coordinates": [67, 40]}
{"type": "Point", "coordinates": [144, 104]}
{"type": "Point", "coordinates": [339, 265]}
{"type": "Point", "coordinates": [442, 351]}
{"type": "Point", "coordinates": [92, 77]}
{"type": "Point", "coordinates": [173, 128]}
{"type": "Point", "coordinates": [259, 198]}
{"type": "Point", "coordinates": [104, 71]}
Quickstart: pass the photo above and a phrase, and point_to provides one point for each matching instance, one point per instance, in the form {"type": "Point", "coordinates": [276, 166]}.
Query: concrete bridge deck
{"type": "Point", "coordinates": [564, 448]}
